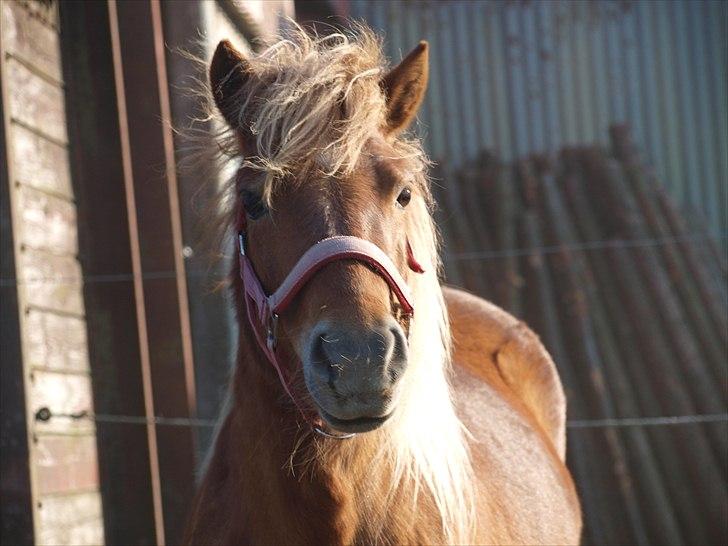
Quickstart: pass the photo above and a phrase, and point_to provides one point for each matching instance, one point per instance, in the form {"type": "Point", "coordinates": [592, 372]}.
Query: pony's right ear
{"type": "Point", "coordinates": [229, 71]}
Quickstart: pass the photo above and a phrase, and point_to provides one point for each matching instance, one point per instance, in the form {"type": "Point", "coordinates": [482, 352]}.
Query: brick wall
{"type": "Point", "coordinates": [64, 475]}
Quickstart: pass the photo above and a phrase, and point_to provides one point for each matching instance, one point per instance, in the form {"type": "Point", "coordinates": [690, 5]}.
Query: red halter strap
{"type": "Point", "coordinates": [263, 310]}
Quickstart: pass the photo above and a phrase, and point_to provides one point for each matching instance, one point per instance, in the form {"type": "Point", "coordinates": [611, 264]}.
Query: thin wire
{"type": "Point", "coordinates": [589, 245]}
{"type": "Point", "coordinates": [111, 277]}
{"type": "Point", "coordinates": [456, 257]}
{"type": "Point", "coordinates": [648, 421]}
{"type": "Point", "coordinates": [44, 414]}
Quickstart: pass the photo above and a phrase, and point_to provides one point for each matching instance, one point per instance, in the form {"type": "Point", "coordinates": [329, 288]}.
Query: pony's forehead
{"type": "Point", "coordinates": [378, 152]}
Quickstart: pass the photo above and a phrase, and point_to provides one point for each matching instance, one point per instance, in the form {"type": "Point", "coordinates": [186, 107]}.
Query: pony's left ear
{"type": "Point", "coordinates": [404, 87]}
{"type": "Point", "coordinates": [229, 71]}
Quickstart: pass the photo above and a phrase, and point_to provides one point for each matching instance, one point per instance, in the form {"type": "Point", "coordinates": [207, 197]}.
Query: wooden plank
{"type": "Point", "coordinates": [40, 163]}
{"type": "Point", "coordinates": [16, 508]}
{"type": "Point", "coordinates": [47, 222]}
{"type": "Point", "coordinates": [35, 102]}
{"type": "Point", "coordinates": [56, 342]}
{"type": "Point", "coordinates": [54, 282]}
{"type": "Point", "coordinates": [66, 464]}
{"type": "Point", "coordinates": [43, 10]}
{"type": "Point", "coordinates": [74, 518]}
{"type": "Point", "coordinates": [30, 39]}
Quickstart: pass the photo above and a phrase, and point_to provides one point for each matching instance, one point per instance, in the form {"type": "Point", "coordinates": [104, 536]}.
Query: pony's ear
{"type": "Point", "coordinates": [229, 71]}
{"type": "Point", "coordinates": [404, 87]}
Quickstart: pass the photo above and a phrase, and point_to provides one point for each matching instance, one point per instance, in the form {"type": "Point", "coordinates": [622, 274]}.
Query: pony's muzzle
{"type": "Point", "coordinates": [352, 372]}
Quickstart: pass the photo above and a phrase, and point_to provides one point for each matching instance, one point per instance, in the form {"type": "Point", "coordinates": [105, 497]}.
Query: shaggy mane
{"type": "Point", "coordinates": [312, 103]}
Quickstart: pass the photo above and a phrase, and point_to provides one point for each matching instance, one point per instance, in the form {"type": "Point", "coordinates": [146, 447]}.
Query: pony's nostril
{"type": "Point", "coordinates": [319, 359]}
{"type": "Point", "coordinates": [398, 353]}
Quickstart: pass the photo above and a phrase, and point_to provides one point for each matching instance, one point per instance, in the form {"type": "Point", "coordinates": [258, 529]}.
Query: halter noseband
{"type": "Point", "coordinates": [263, 310]}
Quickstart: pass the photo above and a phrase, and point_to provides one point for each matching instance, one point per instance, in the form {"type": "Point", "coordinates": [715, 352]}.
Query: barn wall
{"type": "Point", "coordinates": [520, 76]}
{"type": "Point", "coordinates": [63, 459]}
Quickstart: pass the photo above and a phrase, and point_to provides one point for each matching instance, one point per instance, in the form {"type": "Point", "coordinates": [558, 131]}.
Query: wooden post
{"type": "Point", "coordinates": [707, 320]}
{"type": "Point", "coordinates": [655, 471]}
{"type": "Point", "coordinates": [507, 209]}
{"type": "Point", "coordinates": [540, 312]}
{"type": "Point", "coordinates": [570, 278]}
{"type": "Point", "coordinates": [654, 345]}
{"type": "Point", "coordinates": [478, 237]}
{"type": "Point", "coordinates": [629, 223]}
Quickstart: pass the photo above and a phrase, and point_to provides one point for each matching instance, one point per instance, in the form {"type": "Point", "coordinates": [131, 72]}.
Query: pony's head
{"type": "Point", "coordinates": [319, 124]}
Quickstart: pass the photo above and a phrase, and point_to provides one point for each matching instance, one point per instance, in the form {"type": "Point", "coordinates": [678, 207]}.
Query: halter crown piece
{"type": "Point", "coordinates": [263, 310]}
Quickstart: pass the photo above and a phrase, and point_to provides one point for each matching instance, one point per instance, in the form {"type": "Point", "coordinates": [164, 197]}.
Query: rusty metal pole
{"type": "Point", "coordinates": [137, 269]}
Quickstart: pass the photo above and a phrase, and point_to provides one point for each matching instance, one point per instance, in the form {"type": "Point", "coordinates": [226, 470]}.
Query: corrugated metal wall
{"type": "Point", "coordinates": [521, 76]}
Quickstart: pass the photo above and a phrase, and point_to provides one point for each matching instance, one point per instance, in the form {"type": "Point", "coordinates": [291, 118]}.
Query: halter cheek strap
{"type": "Point", "coordinates": [263, 310]}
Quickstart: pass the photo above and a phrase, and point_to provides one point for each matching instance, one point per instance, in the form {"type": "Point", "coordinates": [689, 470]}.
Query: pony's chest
{"type": "Point", "coordinates": [401, 526]}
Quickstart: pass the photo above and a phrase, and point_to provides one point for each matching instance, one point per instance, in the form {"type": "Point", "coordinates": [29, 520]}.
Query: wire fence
{"type": "Point", "coordinates": [44, 414]}
{"type": "Point", "coordinates": [452, 257]}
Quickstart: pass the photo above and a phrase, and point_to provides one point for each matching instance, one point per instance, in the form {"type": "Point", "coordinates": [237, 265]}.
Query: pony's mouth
{"type": "Point", "coordinates": [360, 424]}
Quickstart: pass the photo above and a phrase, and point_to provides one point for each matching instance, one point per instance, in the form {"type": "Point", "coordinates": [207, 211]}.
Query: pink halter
{"type": "Point", "coordinates": [263, 310]}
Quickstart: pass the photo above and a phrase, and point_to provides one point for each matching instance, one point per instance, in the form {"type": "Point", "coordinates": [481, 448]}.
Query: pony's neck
{"type": "Point", "coordinates": [295, 483]}
{"type": "Point", "coordinates": [286, 490]}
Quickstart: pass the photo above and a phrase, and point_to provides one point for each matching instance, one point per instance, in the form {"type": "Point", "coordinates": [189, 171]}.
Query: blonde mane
{"type": "Point", "coordinates": [426, 440]}
{"type": "Point", "coordinates": [312, 104]}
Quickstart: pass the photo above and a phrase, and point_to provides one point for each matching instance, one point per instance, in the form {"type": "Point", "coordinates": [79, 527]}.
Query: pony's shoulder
{"type": "Point", "coordinates": [499, 348]}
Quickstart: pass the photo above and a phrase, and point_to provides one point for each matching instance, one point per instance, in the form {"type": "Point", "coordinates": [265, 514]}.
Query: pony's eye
{"type": "Point", "coordinates": [404, 197]}
{"type": "Point", "coordinates": [254, 205]}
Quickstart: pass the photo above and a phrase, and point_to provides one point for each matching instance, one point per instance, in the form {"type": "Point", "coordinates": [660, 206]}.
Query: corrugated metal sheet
{"type": "Point", "coordinates": [522, 77]}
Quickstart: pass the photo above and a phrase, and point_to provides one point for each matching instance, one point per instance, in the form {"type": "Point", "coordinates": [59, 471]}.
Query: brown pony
{"type": "Point", "coordinates": [458, 411]}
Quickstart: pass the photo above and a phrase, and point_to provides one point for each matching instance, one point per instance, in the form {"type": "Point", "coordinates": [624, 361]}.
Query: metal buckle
{"type": "Point", "coordinates": [241, 242]}
{"type": "Point", "coordinates": [272, 332]}
{"type": "Point", "coordinates": [317, 430]}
